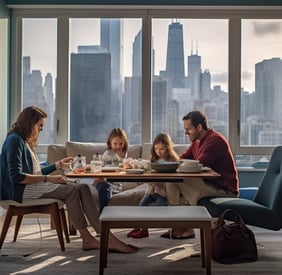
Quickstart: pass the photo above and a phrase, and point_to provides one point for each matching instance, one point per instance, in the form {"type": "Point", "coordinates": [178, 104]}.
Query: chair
{"type": "Point", "coordinates": [265, 210]}
{"type": "Point", "coordinates": [53, 207]}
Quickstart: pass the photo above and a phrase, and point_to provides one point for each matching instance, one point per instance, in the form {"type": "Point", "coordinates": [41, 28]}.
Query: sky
{"type": "Point", "coordinates": [261, 39]}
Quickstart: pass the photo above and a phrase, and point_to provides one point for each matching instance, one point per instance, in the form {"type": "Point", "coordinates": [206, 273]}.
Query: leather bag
{"type": "Point", "coordinates": [233, 242]}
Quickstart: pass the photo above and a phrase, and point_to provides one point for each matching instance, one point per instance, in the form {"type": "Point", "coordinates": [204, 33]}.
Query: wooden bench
{"type": "Point", "coordinates": [156, 217]}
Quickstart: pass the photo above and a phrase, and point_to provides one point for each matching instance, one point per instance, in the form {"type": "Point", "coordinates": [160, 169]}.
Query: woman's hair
{"type": "Point", "coordinates": [164, 139]}
{"type": "Point", "coordinates": [197, 117]}
{"type": "Point", "coordinates": [26, 121]}
{"type": "Point", "coordinates": [118, 132]}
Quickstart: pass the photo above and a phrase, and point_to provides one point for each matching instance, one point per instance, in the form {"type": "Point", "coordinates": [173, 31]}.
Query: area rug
{"type": "Point", "coordinates": [37, 251]}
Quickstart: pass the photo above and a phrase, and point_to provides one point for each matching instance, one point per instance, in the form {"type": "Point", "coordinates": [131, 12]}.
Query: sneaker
{"type": "Point", "coordinates": [142, 233]}
{"type": "Point", "coordinates": [132, 232]}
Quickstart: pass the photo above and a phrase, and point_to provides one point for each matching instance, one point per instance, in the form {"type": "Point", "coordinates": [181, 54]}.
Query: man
{"type": "Point", "coordinates": [212, 150]}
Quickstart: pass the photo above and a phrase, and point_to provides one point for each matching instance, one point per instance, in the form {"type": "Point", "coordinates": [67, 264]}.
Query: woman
{"type": "Point", "coordinates": [23, 179]}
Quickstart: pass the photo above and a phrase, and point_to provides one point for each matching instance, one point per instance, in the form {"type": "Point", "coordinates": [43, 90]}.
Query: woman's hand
{"type": "Point", "coordinates": [59, 179]}
{"type": "Point", "coordinates": [64, 163]}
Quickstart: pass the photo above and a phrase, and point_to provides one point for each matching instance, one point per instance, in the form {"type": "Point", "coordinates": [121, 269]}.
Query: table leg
{"type": "Point", "coordinates": [104, 239]}
{"type": "Point", "coordinates": [207, 237]}
{"type": "Point", "coordinates": [203, 247]}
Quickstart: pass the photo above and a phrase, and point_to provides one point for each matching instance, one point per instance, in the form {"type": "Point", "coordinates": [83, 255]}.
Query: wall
{"type": "Point", "coordinates": [4, 61]}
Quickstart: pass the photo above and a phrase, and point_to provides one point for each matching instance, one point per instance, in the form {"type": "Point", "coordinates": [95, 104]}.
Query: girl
{"type": "Point", "coordinates": [117, 147]}
{"type": "Point", "coordinates": [155, 194]}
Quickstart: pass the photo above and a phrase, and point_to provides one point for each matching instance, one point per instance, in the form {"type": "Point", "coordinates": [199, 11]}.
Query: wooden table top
{"type": "Point", "coordinates": [121, 174]}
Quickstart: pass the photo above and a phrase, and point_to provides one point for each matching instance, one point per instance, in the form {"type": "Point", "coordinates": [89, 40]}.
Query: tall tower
{"type": "Point", "coordinates": [111, 39]}
{"type": "Point", "coordinates": [90, 94]}
{"type": "Point", "coordinates": [194, 74]}
{"type": "Point", "coordinates": [175, 56]}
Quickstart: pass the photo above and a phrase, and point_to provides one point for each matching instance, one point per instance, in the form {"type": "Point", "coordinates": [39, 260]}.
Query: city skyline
{"type": "Point", "coordinates": [261, 32]}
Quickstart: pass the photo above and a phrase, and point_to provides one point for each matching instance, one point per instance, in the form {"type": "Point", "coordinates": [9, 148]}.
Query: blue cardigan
{"type": "Point", "coordinates": [15, 162]}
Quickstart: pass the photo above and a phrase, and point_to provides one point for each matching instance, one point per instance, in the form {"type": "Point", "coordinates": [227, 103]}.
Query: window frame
{"type": "Point", "coordinates": [233, 14]}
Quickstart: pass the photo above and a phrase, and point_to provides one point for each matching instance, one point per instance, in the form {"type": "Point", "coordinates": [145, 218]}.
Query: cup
{"type": "Point", "coordinates": [78, 165]}
{"type": "Point", "coordinates": [96, 166]}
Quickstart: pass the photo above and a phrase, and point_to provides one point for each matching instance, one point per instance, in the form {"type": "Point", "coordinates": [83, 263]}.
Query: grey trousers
{"type": "Point", "coordinates": [79, 203]}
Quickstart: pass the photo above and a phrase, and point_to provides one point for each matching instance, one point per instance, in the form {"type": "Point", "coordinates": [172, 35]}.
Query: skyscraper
{"type": "Point", "coordinates": [111, 39]}
{"type": "Point", "coordinates": [175, 56]}
{"type": "Point", "coordinates": [90, 95]}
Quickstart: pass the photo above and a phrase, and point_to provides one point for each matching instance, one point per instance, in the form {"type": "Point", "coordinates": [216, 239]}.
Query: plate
{"type": "Point", "coordinates": [189, 170]}
{"type": "Point", "coordinates": [110, 169]}
{"type": "Point", "coordinates": [134, 171]}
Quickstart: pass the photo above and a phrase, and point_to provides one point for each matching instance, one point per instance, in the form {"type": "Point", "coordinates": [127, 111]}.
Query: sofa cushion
{"type": "Point", "coordinates": [130, 197]}
{"type": "Point", "coordinates": [87, 149]}
{"type": "Point", "coordinates": [56, 152]}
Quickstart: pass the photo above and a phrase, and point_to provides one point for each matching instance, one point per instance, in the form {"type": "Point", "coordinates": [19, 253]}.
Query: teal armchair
{"type": "Point", "coordinates": [265, 210]}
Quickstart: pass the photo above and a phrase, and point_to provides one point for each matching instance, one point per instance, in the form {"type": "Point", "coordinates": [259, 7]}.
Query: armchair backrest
{"type": "Point", "coordinates": [269, 193]}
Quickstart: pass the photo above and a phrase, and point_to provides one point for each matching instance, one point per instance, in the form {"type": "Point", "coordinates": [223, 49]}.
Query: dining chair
{"type": "Point", "coordinates": [54, 207]}
{"type": "Point", "coordinates": [265, 209]}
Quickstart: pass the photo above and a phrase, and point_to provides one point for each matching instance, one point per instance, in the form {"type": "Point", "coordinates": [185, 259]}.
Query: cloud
{"type": "Point", "coordinates": [247, 75]}
{"type": "Point", "coordinates": [261, 29]}
{"type": "Point", "coordinates": [220, 77]}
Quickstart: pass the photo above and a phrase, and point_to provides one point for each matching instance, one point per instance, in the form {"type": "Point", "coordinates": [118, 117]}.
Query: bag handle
{"type": "Point", "coordinates": [238, 220]}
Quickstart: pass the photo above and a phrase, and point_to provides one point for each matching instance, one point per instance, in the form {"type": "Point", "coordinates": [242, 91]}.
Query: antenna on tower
{"type": "Point", "coordinates": [196, 47]}
{"type": "Point", "coordinates": [191, 47]}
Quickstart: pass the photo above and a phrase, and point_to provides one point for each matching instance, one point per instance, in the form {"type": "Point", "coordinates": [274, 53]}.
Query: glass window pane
{"type": "Point", "coordinates": [190, 72]}
{"type": "Point", "coordinates": [105, 78]}
{"type": "Point", "coordinates": [261, 82]}
{"type": "Point", "coordinates": [39, 70]}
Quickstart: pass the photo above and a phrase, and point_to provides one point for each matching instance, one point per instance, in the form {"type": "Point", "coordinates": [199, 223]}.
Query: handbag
{"type": "Point", "coordinates": [233, 242]}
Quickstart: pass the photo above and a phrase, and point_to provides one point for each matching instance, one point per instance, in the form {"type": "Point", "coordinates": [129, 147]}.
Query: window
{"type": "Point", "coordinates": [227, 63]}
{"type": "Point", "coordinates": [105, 78]}
{"type": "Point", "coordinates": [39, 63]}
{"type": "Point", "coordinates": [190, 73]}
{"type": "Point", "coordinates": [261, 113]}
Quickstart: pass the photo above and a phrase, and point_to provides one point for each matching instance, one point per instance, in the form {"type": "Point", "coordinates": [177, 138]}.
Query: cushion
{"type": "Point", "coordinates": [56, 152]}
{"type": "Point", "coordinates": [130, 197]}
{"type": "Point", "coordinates": [134, 151]}
{"type": "Point", "coordinates": [87, 149]}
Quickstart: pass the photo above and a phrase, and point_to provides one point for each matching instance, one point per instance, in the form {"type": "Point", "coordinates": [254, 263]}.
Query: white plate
{"type": "Point", "coordinates": [187, 170]}
{"type": "Point", "coordinates": [134, 171]}
{"type": "Point", "coordinates": [110, 169]}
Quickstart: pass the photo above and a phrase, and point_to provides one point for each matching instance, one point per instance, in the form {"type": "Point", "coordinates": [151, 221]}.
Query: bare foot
{"type": "Point", "coordinates": [90, 243]}
{"type": "Point", "coordinates": [116, 245]}
{"type": "Point", "coordinates": [183, 232]}
{"type": "Point", "coordinates": [125, 248]}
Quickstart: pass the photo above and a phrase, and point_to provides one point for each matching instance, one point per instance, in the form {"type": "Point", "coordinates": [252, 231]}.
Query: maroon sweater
{"type": "Point", "coordinates": [214, 151]}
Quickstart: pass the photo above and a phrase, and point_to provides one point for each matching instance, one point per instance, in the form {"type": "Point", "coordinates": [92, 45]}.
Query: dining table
{"type": "Point", "coordinates": [146, 176]}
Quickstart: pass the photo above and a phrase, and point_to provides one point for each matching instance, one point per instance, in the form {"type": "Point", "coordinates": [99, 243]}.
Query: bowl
{"type": "Point", "coordinates": [165, 167]}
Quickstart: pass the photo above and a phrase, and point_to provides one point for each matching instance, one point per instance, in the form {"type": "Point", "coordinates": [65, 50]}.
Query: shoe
{"type": "Point", "coordinates": [130, 234]}
{"type": "Point", "coordinates": [141, 234]}
{"type": "Point", "coordinates": [169, 235]}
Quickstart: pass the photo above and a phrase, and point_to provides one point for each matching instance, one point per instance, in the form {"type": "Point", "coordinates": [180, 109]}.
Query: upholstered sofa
{"type": "Point", "coordinates": [132, 192]}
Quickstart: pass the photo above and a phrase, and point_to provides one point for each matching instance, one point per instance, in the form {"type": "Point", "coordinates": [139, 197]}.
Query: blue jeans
{"type": "Point", "coordinates": [104, 194]}
{"type": "Point", "coordinates": [153, 200]}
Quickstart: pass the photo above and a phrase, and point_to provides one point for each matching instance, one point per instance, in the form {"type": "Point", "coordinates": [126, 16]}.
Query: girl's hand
{"type": "Point", "coordinates": [97, 181]}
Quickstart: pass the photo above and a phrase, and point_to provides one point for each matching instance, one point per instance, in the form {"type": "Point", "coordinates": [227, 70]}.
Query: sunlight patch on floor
{"type": "Point", "coordinates": [40, 266]}
{"type": "Point", "coordinates": [179, 252]}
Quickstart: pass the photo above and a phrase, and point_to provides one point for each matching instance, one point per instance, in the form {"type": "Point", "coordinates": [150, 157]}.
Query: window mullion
{"type": "Point", "coordinates": [62, 83]}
